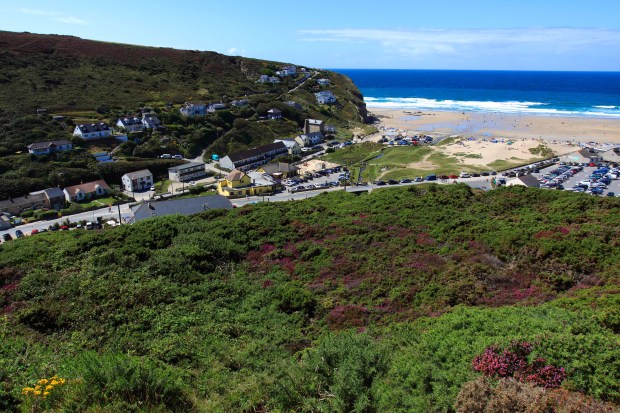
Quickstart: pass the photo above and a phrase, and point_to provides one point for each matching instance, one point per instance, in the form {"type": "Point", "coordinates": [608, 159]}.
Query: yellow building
{"type": "Point", "coordinates": [240, 184]}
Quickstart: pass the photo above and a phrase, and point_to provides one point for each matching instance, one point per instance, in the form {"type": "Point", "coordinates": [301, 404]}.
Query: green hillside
{"type": "Point", "coordinates": [90, 81]}
{"type": "Point", "coordinates": [339, 303]}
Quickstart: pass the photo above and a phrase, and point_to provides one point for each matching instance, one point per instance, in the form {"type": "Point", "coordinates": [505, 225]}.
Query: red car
{"type": "Point", "coordinates": [453, 176]}
{"type": "Point", "coordinates": [34, 231]}
{"type": "Point", "coordinates": [64, 228]}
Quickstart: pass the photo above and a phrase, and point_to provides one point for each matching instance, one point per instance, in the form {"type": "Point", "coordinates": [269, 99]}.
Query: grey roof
{"type": "Point", "coordinates": [130, 121]}
{"type": "Point", "coordinates": [186, 166]}
{"type": "Point", "coordinates": [186, 206]}
{"type": "Point", "coordinates": [22, 200]}
{"type": "Point", "coordinates": [54, 193]}
{"type": "Point", "coordinates": [271, 168]}
{"type": "Point", "coordinates": [93, 127]}
{"type": "Point", "coordinates": [529, 180]}
{"type": "Point", "coordinates": [44, 145]}
{"type": "Point", "coordinates": [256, 152]}
{"type": "Point", "coordinates": [143, 173]}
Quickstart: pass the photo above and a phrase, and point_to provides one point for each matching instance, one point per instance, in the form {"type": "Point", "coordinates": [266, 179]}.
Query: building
{"type": "Point", "coordinates": [526, 180]}
{"type": "Point", "coordinates": [240, 103]}
{"type": "Point", "coordinates": [5, 222]}
{"type": "Point", "coordinates": [239, 184]}
{"type": "Point", "coordinates": [133, 124]}
{"type": "Point", "coordinates": [150, 121]}
{"type": "Point", "coordinates": [291, 144]}
{"type": "Point", "coordinates": [582, 156]}
{"type": "Point", "coordinates": [287, 71]}
{"type": "Point", "coordinates": [310, 139]}
{"type": "Point", "coordinates": [253, 158]}
{"type": "Point", "coordinates": [329, 129]}
{"type": "Point", "coordinates": [44, 148]}
{"type": "Point", "coordinates": [187, 172]}
{"type": "Point", "coordinates": [214, 107]}
{"type": "Point", "coordinates": [188, 206]}
{"type": "Point", "coordinates": [293, 104]}
{"type": "Point", "coordinates": [323, 82]}
{"type": "Point", "coordinates": [193, 109]}
{"type": "Point", "coordinates": [279, 170]}
{"type": "Point", "coordinates": [274, 114]}
{"type": "Point", "coordinates": [137, 181]}
{"type": "Point", "coordinates": [325, 97]}
{"type": "Point", "coordinates": [89, 190]}
{"type": "Point", "coordinates": [16, 206]}
{"type": "Point", "coordinates": [92, 131]}
{"type": "Point", "coordinates": [314, 125]}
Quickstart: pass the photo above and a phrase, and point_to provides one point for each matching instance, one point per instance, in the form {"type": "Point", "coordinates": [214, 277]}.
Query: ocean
{"type": "Point", "coordinates": [591, 94]}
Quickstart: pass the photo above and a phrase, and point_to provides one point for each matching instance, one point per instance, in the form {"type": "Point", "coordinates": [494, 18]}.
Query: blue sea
{"type": "Point", "coordinates": [592, 94]}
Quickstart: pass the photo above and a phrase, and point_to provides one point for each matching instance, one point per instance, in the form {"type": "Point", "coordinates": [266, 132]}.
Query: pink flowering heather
{"type": "Point", "coordinates": [512, 362]}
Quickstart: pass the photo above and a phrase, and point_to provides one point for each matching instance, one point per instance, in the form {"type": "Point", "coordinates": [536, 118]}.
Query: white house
{"type": "Point", "coordinates": [268, 79]}
{"type": "Point", "coordinates": [313, 125]}
{"type": "Point", "coordinates": [325, 97]}
{"type": "Point", "coordinates": [42, 148]}
{"type": "Point", "coordinates": [133, 124]}
{"type": "Point", "coordinates": [274, 114]}
{"type": "Point", "coordinates": [287, 71]}
{"type": "Point", "coordinates": [323, 82]}
{"type": "Point", "coordinates": [309, 139]}
{"type": "Point", "coordinates": [150, 121]}
{"type": "Point", "coordinates": [86, 191]}
{"type": "Point", "coordinates": [193, 109]}
{"type": "Point", "coordinates": [291, 145]}
{"type": "Point", "coordinates": [92, 131]}
{"type": "Point", "coordinates": [137, 181]}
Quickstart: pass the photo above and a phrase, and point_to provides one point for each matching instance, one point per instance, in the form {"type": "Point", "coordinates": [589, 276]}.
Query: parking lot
{"type": "Point", "coordinates": [581, 178]}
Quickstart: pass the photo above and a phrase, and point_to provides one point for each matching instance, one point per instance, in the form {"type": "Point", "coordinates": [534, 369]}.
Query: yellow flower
{"type": "Point", "coordinates": [43, 381]}
{"type": "Point", "coordinates": [46, 394]}
{"type": "Point", "coordinates": [37, 392]}
{"type": "Point", "coordinates": [27, 390]}
{"type": "Point", "coordinates": [54, 382]}
{"type": "Point", "coordinates": [48, 388]}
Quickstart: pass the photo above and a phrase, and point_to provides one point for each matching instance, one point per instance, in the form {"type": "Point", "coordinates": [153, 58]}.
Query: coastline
{"type": "Point", "coordinates": [436, 123]}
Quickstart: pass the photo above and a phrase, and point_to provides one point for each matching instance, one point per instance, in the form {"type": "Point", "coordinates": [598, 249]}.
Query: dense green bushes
{"type": "Point", "coordinates": [366, 303]}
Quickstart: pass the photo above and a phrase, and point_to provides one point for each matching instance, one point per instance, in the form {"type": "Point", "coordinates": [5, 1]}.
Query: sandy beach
{"type": "Point", "coordinates": [502, 125]}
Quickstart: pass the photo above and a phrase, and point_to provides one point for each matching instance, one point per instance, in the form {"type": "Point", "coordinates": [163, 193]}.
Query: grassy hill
{"type": "Point", "coordinates": [90, 81]}
{"type": "Point", "coordinates": [339, 303]}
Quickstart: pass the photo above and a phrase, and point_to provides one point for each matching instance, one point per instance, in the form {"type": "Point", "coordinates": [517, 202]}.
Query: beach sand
{"type": "Point", "coordinates": [502, 125]}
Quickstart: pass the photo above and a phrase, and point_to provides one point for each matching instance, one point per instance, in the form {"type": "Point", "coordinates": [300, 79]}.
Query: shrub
{"type": "Point", "coordinates": [124, 381]}
{"type": "Point", "coordinates": [512, 362]}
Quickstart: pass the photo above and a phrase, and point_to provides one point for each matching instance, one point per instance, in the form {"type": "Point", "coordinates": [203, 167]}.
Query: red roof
{"type": "Point", "coordinates": [87, 188]}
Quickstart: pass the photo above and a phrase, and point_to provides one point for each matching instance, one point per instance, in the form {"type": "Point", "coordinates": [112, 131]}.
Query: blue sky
{"type": "Point", "coordinates": [414, 34]}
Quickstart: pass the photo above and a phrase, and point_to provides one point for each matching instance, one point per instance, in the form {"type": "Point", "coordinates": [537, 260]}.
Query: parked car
{"type": "Point", "coordinates": [464, 175]}
{"type": "Point", "coordinates": [418, 179]}
{"type": "Point", "coordinates": [34, 231]}
{"type": "Point", "coordinates": [611, 194]}
{"type": "Point", "coordinates": [177, 156]}
{"type": "Point", "coordinates": [380, 183]}
{"type": "Point", "coordinates": [393, 182]}
{"type": "Point", "coordinates": [19, 234]}
{"type": "Point", "coordinates": [7, 237]}
{"type": "Point", "coordinates": [431, 177]}
{"type": "Point", "coordinates": [405, 181]}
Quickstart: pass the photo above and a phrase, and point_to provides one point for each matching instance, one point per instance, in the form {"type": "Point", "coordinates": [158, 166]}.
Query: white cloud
{"type": "Point", "coordinates": [233, 51]}
{"type": "Point", "coordinates": [71, 20]}
{"type": "Point", "coordinates": [437, 42]}
{"type": "Point", "coordinates": [54, 15]}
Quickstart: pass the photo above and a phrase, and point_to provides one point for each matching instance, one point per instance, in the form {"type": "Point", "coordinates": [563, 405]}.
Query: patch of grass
{"type": "Point", "coordinates": [502, 164]}
{"type": "Point", "coordinates": [468, 155]}
{"type": "Point", "coordinates": [401, 156]}
{"type": "Point", "coordinates": [354, 153]}
{"type": "Point", "coordinates": [449, 141]}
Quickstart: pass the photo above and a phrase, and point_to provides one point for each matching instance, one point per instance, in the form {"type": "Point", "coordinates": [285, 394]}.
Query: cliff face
{"type": "Point", "coordinates": [69, 73]}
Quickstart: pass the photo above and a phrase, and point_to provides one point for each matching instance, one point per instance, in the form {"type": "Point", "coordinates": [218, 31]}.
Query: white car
{"type": "Point", "coordinates": [464, 175]}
